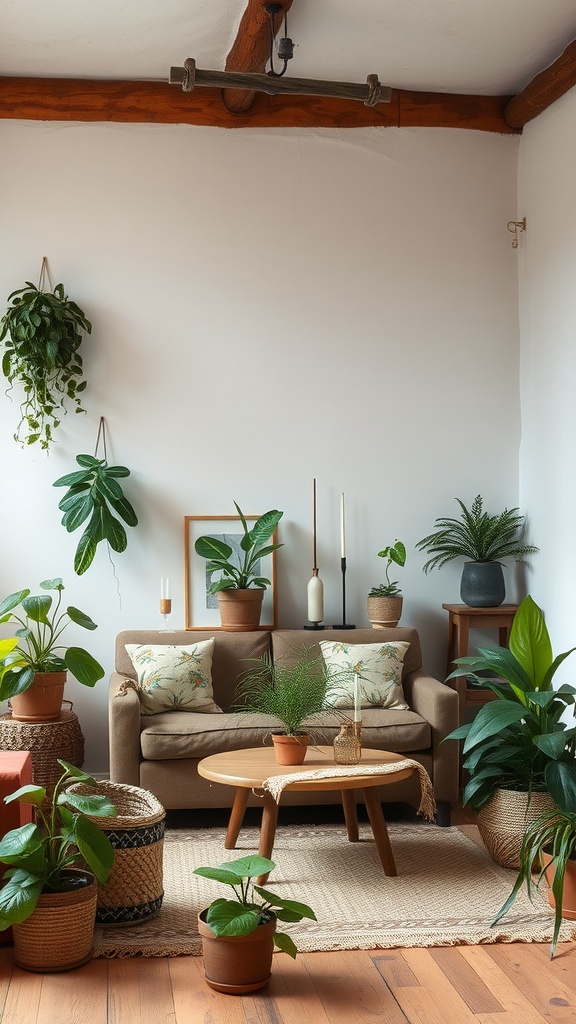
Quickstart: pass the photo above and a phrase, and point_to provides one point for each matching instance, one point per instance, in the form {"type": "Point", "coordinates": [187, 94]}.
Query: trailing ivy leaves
{"type": "Point", "coordinates": [42, 332]}
{"type": "Point", "coordinates": [94, 494]}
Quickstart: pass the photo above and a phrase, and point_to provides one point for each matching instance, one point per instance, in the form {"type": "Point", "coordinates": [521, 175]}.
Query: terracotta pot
{"type": "Point", "coordinates": [290, 749]}
{"type": "Point", "coordinates": [385, 612]}
{"type": "Point", "coordinates": [569, 893]}
{"type": "Point", "coordinates": [58, 935]}
{"type": "Point", "coordinates": [240, 609]}
{"type": "Point", "coordinates": [237, 963]}
{"type": "Point", "coordinates": [502, 823]}
{"type": "Point", "coordinates": [41, 702]}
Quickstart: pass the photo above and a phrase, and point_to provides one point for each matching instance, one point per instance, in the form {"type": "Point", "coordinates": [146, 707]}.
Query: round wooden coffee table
{"type": "Point", "coordinates": [247, 770]}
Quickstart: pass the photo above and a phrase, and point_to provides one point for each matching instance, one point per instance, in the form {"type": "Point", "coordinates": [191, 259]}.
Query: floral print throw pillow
{"type": "Point", "coordinates": [379, 670]}
{"type": "Point", "coordinates": [174, 678]}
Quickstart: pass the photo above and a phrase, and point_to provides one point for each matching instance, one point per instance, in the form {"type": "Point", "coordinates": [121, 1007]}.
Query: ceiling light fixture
{"type": "Point", "coordinates": [285, 44]}
{"type": "Point", "coordinates": [190, 76]}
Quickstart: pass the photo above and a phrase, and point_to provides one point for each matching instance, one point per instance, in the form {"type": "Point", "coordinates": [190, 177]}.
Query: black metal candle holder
{"type": "Point", "coordinates": [343, 624]}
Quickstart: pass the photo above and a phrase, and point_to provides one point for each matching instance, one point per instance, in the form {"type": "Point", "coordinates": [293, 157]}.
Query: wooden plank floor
{"type": "Point", "coordinates": [500, 983]}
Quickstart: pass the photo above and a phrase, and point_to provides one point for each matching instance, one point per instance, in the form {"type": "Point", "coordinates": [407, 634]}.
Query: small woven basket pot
{"type": "Point", "coordinates": [502, 823]}
{"type": "Point", "coordinates": [58, 934]}
{"type": "Point", "coordinates": [134, 890]}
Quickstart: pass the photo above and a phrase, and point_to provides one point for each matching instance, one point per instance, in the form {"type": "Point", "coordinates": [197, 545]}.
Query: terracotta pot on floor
{"type": "Point", "coordinates": [569, 893]}
{"type": "Point", "coordinates": [236, 964]}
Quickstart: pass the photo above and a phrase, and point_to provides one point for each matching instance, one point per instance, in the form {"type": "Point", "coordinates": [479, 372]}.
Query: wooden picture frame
{"type": "Point", "coordinates": [201, 608]}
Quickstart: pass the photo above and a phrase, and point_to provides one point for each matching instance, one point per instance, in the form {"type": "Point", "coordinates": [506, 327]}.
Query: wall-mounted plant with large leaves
{"type": "Point", "coordinates": [42, 332]}
{"type": "Point", "coordinates": [93, 495]}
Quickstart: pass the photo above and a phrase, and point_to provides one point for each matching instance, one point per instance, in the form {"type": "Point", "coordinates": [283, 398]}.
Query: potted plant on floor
{"type": "Point", "coordinates": [385, 601]}
{"type": "Point", "coordinates": [239, 935]}
{"type": "Point", "coordinates": [518, 751]}
{"type": "Point", "coordinates": [549, 847]}
{"type": "Point", "coordinates": [236, 578]}
{"type": "Point", "coordinates": [49, 898]}
{"type": "Point", "coordinates": [35, 667]}
{"type": "Point", "coordinates": [42, 332]}
{"type": "Point", "coordinates": [484, 539]}
{"type": "Point", "coordinates": [292, 694]}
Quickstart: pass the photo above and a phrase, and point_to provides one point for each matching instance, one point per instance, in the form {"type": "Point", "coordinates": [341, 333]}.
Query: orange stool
{"type": "Point", "coordinates": [15, 771]}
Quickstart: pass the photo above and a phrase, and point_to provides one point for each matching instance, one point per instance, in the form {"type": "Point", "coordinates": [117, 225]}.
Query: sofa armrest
{"type": "Point", "coordinates": [438, 705]}
{"type": "Point", "coordinates": [124, 728]}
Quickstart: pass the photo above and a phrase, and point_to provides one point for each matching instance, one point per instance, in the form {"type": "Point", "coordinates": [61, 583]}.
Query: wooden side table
{"type": "Point", "coordinates": [461, 619]}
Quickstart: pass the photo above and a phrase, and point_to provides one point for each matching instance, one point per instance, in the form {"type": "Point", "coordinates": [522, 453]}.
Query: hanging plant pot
{"type": "Point", "coordinates": [384, 612]}
{"type": "Point", "coordinates": [240, 610]}
{"type": "Point", "coordinates": [290, 749]}
{"type": "Point", "coordinates": [42, 701]}
{"type": "Point", "coordinates": [482, 584]}
{"type": "Point", "coordinates": [236, 964]}
{"type": "Point", "coordinates": [58, 935]}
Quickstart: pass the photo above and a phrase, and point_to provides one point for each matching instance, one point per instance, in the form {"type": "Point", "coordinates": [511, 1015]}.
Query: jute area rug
{"type": "Point", "coordinates": [447, 891]}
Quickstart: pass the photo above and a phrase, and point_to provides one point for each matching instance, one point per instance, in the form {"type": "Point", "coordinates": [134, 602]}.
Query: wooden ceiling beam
{"type": "Point", "coordinates": [69, 99]}
{"type": "Point", "coordinates": [543, 90]}
{"type": "Point", "coordinates": [251, 49]}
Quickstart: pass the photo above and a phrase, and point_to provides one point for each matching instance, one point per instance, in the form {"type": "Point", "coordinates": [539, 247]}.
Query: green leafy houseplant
{"type": "Point", "coordinates": [243, 914]}
{"type": "Point", "coordinates": [477, 535]}
{"type": "Point", "coordinates": [519, 741]}
{"type": "Point", "coordinates": [291, 693]}
{"type": "Point", "coordinates": [549, 846]}
{"type": "Point", "coordinates": [42, 333]}
{"type": "Point", "coordinates": [396, 553]}
{"type": "Point", "coordinates": [94, 494]}
{"type": "Point", "coordinates": [38, 855]}
{"type": "Point", "coordinates": [239, 570]}
{"type": "Point", "coordinates": [37, 648]}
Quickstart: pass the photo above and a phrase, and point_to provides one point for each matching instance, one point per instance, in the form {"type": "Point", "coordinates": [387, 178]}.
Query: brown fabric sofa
{"type": "Point", "coordinates": [160, 752]}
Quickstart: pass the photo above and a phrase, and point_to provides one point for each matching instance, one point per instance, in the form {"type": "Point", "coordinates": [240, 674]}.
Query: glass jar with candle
{"type": "Point", "coordinates": [347, 749]}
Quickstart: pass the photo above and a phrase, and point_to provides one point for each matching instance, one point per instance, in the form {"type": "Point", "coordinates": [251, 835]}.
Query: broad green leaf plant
{"type": "Point", "coordinates": [520, 741]}
{"type": "Point", "coordinates": [396, 553]}
{"type": "Point", "coordinates": [239, 571]}
{"type": "Point", "coordinates": [93, 495]}
{"type": "Point", "coordinates": [42, 332]}
{"type": "Point", "coordinates": [35, 647]}
{"type": "Point", "coordinates": [242, 915]}
{"type": "Point", "coordinates": [38, 854]}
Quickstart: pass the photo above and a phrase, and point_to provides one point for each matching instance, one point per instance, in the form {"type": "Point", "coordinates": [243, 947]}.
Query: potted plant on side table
{"type": "Point", "coordinates": [50, 899]}
{"type": "Point", "coordinates": [519, 753]}
{"type": "Point", "coordinates": [239, 935]}
{"type": "Point", "coordinates": [385, 601]}
{"type": "Point", "coordinates": [36, 667]}
{"type": "Point", "coordinates": [291, 693]}
{"type": "Point", "coordinates": [484, 539]}
{"type": "Point", "coordinates": [236, 578]}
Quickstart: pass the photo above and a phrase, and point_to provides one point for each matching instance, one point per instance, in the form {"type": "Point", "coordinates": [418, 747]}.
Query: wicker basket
{"type": "Point", "coordinates": [46, 741]}
{"type": "Point", "coordinates": [58, 934]}
{"type": "Point", "coordinates": [134, 890]}
{"type": "Point", "coordinates": [502, 823]}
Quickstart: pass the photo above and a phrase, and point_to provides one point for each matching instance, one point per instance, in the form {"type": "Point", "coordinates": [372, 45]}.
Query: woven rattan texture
{"type": "Point", "coordinates": [46, 741]}
{"type": "Point", "coordinates": [503, 820]}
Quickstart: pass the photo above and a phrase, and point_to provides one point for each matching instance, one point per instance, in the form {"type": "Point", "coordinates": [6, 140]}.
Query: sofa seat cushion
{"type": "Point", "coordinates": [187, 734]}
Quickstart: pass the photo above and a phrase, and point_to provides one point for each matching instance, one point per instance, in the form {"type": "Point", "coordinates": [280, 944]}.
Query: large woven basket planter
{"type": "Point", "coordinates": [58, 935]}
{"type": "Point", "coordinates": [502, 823]}
{"type": "Point", "coordinates": [134, 890]}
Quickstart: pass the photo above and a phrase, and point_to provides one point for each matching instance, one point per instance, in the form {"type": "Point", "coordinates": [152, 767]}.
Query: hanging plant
{"type": "Point", "coordinates": [42, 331]}
{"type": "Point", "coordinates": [94, 494]}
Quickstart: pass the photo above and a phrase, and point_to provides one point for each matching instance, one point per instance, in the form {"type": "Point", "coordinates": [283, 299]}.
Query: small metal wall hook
{"type": "Point", "coordinates": [515, 226]}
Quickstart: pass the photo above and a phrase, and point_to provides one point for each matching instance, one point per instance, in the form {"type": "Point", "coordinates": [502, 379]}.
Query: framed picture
{"type": "Point", "coordinates": [201, 607]}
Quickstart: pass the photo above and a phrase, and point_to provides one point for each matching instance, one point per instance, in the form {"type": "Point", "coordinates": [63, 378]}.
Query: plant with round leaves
{"type": "Point", "coordinates": [37, 647]}
{"type": "Point", "coordinates": [39, 853]}
{"type": "Point", "coordinates": [42, 332]}
{"type": "Point", "coordinates": [520, 741]}
{"type": "Point", "coordinates": [242, 915]}
{"type": "Point", "coordinates": [94, 494]}
{"type": "Point", "coordinates": [239, 570]}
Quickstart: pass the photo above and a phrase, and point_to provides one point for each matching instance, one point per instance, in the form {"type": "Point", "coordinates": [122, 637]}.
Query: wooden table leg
{"type": "Point", "coordinates": [267, 831]}
{"type": "Point", "coordinates": [236, 817]}
{"type": "Point", "coordinates": [350, 815]}
{"type": "Point", "coordinates": [379, 830]}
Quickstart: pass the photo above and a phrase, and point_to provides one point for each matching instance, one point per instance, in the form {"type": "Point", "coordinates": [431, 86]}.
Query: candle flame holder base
{"type": "Point", "coordinates": [314, 625]}
{"type": "Point", "coordinates": [343, 624]}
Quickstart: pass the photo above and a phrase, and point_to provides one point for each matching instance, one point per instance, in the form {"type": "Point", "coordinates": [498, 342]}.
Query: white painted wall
{"type": "Point", "coordinates": [546, 197]}
{"type": "Point", "coordinates": [268, 307]}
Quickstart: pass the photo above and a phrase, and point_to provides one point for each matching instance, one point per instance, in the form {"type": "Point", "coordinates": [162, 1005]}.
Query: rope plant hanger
{"type": "Point", "coordinates": [42, 331]}
{"type": "Point", "coordinates": [94, 495]}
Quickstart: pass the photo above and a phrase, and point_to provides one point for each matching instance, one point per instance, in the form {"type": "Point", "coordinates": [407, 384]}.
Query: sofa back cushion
{"type": "Point", "coordinates": [287, 644]}
{"type": "Point", "coordinates": [231, 656]}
